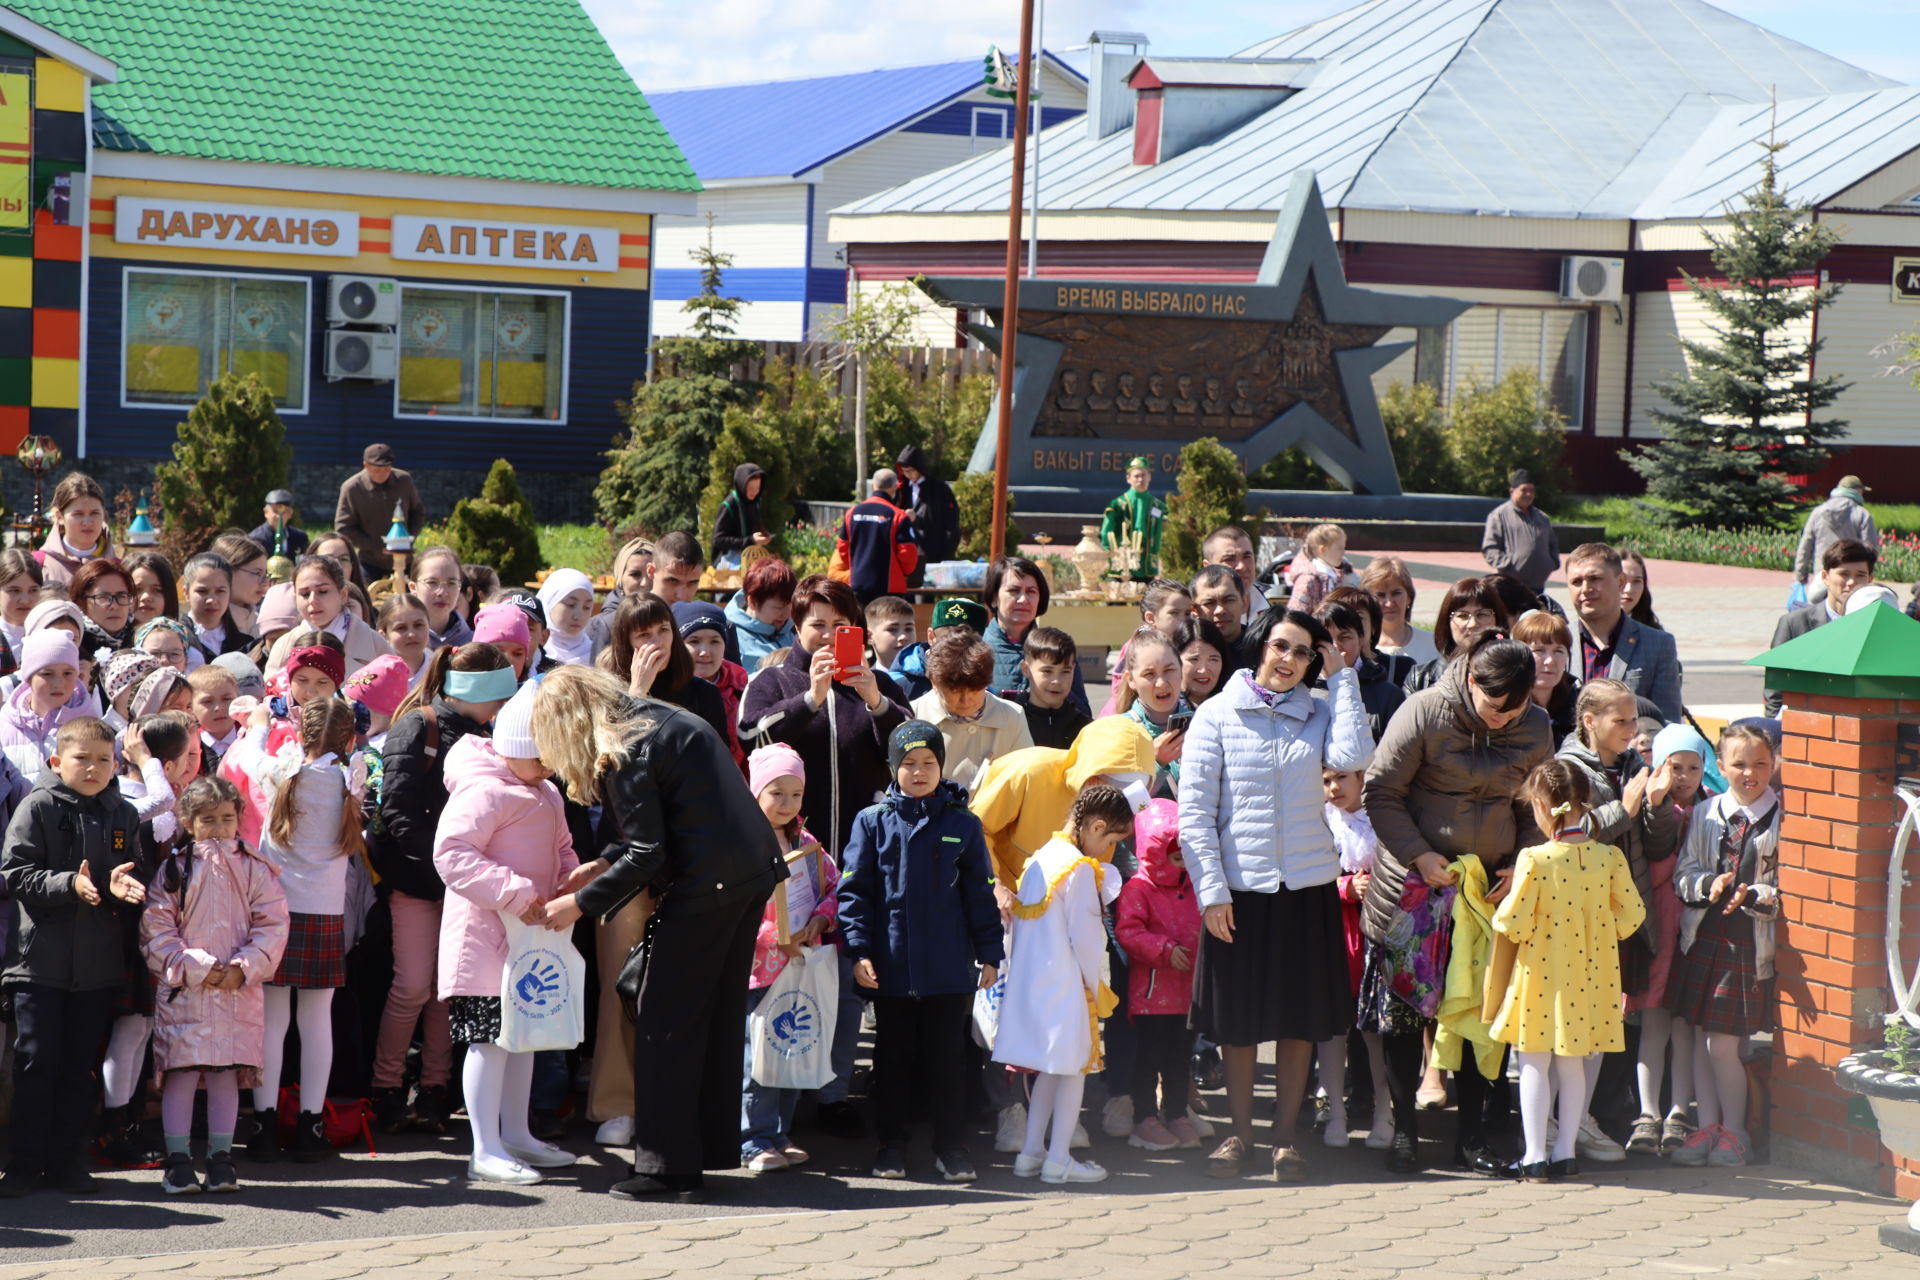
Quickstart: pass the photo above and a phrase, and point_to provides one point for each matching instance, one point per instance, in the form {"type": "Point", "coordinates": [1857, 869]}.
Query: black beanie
{"type": "Point", "coordinates": [915, 733]}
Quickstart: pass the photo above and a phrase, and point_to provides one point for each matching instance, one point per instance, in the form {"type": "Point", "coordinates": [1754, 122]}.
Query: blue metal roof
{"type": "Point", "coordinates": [782, 128]}
{"type": "Point", "coordinates": [1543, 108]}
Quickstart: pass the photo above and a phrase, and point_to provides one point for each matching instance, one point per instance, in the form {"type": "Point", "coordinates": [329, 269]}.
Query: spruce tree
{"type": "Point", "coordinates": [1744, 415]}
{"type": "Point", "coordinates": [227, 456]}
{"type": "Point", "coordinates": [498, 527]}
{"type": "Point", "coordinates": [653, 480]}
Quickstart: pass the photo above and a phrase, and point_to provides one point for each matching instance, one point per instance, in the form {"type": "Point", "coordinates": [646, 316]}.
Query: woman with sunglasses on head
{"type": "Point", "coordinates": [1272, 963]}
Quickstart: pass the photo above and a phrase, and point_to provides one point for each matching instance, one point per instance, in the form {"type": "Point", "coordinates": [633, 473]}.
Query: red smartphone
{"type": "Point", "coordinates": [849, 650]}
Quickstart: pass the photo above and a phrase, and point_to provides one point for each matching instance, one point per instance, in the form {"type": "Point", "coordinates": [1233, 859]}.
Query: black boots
{"type": "Point", "coordinates": [310, 1139]}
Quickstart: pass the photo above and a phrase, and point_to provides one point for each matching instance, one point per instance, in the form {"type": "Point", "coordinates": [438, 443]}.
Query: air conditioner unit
{"type": "Point", "coordinates": [362, 300]}
{"type": "Point", "coordinates": [356, 353]}
{"type": "Point", "coordinates": [1592, 279]}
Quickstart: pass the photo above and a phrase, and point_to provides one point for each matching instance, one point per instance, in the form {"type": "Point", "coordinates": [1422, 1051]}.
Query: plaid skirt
{"type": "Point", "coordinates": [1714, 985]}
{"type": "Point", "coordinates": [473, 1019]}
{"type": "Point", "coordinates": [316, 955]}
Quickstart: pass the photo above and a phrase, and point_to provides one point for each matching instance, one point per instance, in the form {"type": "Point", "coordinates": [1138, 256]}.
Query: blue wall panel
{"type": "Point", "coordinates": [609, 336]}
{"type": "Point", "coordinates": [956, 119]}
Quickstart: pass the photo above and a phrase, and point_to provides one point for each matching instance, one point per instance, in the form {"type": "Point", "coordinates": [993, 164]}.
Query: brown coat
{"type": "Point", "coordinates": [1442, 782]}
{"type": "Point", "coordinates": [364, 513]}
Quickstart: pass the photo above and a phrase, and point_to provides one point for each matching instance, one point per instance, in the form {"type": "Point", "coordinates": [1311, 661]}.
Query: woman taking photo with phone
{"type": "Point", "coordinates": [1273, 960]}
{"type": "Point", "coordinates": [837, 717]}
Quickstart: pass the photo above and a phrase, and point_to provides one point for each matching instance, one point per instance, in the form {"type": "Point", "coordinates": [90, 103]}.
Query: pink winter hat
{"type": "Point", "coordinates": [498, 622]}
{"type": "Point", "coordinates": [381, 685]}
{"type": "Point", "coordinates": [279, 610]}
{"type": "Point", "coordinates": [45, 649]}
{"type": "Point", "coordinates": [776, 761]}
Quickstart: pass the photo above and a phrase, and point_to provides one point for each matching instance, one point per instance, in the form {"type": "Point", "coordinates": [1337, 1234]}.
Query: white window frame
{"type": "Point", "coordinates": [566, 363]}
{"type": "Point", "coordinates": [1002, 120]}
{"type": "Point", "coordinates": [126, 299]}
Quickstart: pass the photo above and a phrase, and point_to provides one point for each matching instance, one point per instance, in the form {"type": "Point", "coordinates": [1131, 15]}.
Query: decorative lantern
{"type": "Point", "coordinates": [140, 531]}
{"type": "Point", "coordinates": [399, 543]}
{"type": "Point", "coordinates": [38, 455]}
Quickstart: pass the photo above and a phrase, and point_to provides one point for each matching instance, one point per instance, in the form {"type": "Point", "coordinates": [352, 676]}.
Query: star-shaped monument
{"type": "Point", "coordinates": [1150, 367]}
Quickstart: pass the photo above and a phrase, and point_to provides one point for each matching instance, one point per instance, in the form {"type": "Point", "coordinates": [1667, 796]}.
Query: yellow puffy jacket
{"type": "Point", "coordinates": [1022, 798]}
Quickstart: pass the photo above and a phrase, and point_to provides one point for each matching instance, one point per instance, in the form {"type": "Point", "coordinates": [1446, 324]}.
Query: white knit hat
{"type": "Point", "coordinates": [513, 727]}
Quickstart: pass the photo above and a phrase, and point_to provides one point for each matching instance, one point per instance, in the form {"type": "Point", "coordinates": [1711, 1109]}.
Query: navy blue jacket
{"type": "Point", "coordinates": [916, 895]}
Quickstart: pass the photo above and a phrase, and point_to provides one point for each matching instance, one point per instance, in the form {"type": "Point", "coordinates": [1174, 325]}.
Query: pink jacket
{"type": "Point", "coordinates": [1158, 912]}
{"type": "Point", "coordinates": [231, 911]}
{"type": "Point", "coordinates": [27, 738]}
{"type": "Point", "coordinates": [501, 844]}
{"type": "Point", "coordinates": [732, 682]}
{"type": "Point", "coordinates": [768, 959]}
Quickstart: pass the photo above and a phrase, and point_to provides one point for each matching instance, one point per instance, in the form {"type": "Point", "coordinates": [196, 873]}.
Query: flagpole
{"type": "Point", "coordinates": [1038, 119]}
{"type": "Point", "coordinates": [1010, 305]}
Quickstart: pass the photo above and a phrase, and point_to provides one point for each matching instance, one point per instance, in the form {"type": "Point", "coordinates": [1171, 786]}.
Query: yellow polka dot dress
{"type": "Point", "coordinates": [1568, 910]}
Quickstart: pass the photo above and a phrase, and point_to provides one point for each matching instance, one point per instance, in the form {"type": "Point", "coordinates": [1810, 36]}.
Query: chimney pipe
{"type": "Point", "coordinates": [1111, 56]}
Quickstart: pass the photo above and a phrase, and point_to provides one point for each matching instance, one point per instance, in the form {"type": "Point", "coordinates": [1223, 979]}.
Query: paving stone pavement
{"type": "Point", "coordinates": [1660, 1222]}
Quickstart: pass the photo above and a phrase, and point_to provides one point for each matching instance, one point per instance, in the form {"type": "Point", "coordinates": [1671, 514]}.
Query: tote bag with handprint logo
{"type": "Point", "coordinates": [793, 1027]}
{"type": "Point", "coordinates": [542, 990]}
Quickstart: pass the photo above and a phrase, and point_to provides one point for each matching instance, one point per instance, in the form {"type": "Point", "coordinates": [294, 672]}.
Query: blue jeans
{"type": "Point", "coordinates": [766, 1115]}
{"type": "Point", "coordinates": [846, 1038]}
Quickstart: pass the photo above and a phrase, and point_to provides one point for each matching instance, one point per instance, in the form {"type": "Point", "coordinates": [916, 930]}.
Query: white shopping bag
{"type": "Point", "coordinates": [986, 1010]}
{"type": "Point", "coordinates": [793, 1027]}
{"type": "Point", "coordinates": [542, 990]}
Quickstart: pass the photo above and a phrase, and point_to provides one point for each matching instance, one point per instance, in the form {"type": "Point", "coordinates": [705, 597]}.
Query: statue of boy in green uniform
{"type": "Point", "coordinates": [1133, 522]}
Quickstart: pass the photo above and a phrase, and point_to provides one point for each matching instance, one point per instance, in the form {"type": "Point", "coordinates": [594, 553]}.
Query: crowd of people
{"type": "Point", "coordinates": [271, 846]}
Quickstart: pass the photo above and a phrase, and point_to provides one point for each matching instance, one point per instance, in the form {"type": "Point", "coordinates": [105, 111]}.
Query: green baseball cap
{"type": "Point", "coordinates": [957, 612]}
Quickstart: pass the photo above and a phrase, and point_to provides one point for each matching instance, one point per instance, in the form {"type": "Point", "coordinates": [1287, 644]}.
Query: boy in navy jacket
{"type": "Point", "coordinates": [917, 912]}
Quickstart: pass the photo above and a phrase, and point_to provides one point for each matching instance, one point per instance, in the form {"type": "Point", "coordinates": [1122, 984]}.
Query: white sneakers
{"type": "Point", "coordinates": [1116, 1119]}
{"type": "Point", "coordinates": [1594, 1144]}
{"type": "Point", "coordinates": [1072, 1171]}
{"type": "Point", "coordinates": [1381, 1136]}
{"type": "Point", "coordinates": [617, 1132]}
{"type": "Point", "coordinates": [1336, 1134]}
{"type": "Point", "coordinates": [485, 1168]}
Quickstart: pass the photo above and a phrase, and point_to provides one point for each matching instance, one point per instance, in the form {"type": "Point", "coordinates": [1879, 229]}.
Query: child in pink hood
{"type": "Point", "coordinates": [778, 781]}
{"type": "Point", "coordinates": [503, 848]}
{"type": "Point", "coordinates": [1158, 925]}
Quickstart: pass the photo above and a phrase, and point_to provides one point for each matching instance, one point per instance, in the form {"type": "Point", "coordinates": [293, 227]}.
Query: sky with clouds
{"type": "Point", "coordinates": [671, 44]}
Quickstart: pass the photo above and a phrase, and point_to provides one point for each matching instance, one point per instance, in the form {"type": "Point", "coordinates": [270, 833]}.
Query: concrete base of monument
{"type": "Point", "coordinates": [1898, 1235]}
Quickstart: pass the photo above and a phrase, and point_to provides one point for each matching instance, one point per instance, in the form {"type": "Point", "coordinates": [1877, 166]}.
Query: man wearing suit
{"type": "Point", "coordinates": [1845, 567]}
{"type": "Point", "coordinates": [1614, 645]}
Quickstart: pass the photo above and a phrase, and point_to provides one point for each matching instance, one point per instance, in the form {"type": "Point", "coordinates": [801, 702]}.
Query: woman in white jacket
{"type": "Point", "coordinates": [1272, 963]}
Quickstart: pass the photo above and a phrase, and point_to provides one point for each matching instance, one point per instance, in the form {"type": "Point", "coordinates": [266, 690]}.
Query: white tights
{"type": "Point", "coordinates": [1659, 1029]}
{"type": "Point", "coordinates": [498, 1086]}
{"type": "Point", "coordinates": [1333, 1070]}
{"type": "Point", "coordinates": [315, 1013]}
{"type": "Point", "coordinates": [126, 1050]}
{"type": "Point", "coordinates": [1057, 1098]}
{"type": "Point", "coordinates": [1720, 1080]}
{"type": "Point", "coordinates": [1540, 1075]}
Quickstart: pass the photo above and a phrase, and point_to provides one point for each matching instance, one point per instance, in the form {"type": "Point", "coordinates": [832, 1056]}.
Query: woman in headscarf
{"type": "Point", "coordinates": [567, 598]}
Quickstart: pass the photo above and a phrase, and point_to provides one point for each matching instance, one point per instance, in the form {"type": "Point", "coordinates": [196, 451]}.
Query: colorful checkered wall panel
{"type": "Point", "coordinates": [40, 275]}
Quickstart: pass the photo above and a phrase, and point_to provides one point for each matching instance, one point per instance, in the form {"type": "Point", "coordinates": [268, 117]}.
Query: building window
{"type": "Point", "coordinates": [1490, 342]}
{"type": "Point", "coordinates": [184, 329]}
{"type": "Point", "coordinates": [991, 127]}
{"type": "Point", "coordinates": [472, 353]}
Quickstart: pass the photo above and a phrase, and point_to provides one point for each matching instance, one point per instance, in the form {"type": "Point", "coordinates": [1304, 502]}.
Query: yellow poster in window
{"type": "Point", "coordinates": [16, 150]}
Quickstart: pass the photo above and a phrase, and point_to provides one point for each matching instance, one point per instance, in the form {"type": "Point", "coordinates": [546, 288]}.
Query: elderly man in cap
{"type": "Point", "coordinates": [365, 510]}
{"type": "Point", "coordinates": [279, 513]}
{"type": "Point", "coordinates": [1842, 517]}
{"type": "Point", "coordinates": [1519, 540]}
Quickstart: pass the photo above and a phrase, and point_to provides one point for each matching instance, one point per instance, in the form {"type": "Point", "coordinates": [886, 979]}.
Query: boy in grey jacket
{"type": "Point", "coordinates": [68, 863]}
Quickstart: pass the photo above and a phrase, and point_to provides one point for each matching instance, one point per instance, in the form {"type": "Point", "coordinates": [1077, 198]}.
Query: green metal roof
{"type": "Point", "coordinates": [523, 90]}
{"type": "Point", "coordinates": [1873, 653]}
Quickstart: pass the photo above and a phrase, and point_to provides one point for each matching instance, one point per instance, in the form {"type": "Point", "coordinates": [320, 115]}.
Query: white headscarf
{"type": "Point", "coordinates": [560, 584]}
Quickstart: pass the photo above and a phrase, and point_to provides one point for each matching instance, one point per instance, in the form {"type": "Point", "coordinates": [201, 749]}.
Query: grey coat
{"type": "Point", "coordinates": [57, 940]}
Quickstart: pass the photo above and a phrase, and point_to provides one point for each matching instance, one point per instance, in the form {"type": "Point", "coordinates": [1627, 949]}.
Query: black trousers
{"type": "Point", "coordinates": [686, 1043]}
{"type": "Point", "coordinates": [1484, 1105]}
{"type": "Point", "coordinates": [920, 1050]}
{"type": "Point", "coordinates": [1162, 1060]}
{"type": "Point", "coordinates": [58, 1037]}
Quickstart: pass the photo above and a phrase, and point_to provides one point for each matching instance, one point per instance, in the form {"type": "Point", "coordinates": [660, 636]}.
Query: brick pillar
{"type": "Point", "coordinates": [1837, 832]}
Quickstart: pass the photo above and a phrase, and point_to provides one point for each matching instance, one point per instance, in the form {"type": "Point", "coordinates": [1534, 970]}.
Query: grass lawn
{"type": "Point", "coordinates": [1629, 522]}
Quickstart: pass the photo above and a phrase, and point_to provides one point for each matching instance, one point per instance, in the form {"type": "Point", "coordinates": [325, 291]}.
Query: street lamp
{"type": "Point", "coordinates": [38, 455]}
{"type": "Point", "coordinates": [140, 531]}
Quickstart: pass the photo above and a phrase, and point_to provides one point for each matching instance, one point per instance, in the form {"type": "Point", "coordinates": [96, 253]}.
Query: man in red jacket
{"type": "Point", "coordinates": [876, 541]}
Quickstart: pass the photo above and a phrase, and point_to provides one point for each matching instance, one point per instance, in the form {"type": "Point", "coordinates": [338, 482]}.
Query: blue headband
{"type": "Point", "coordinates": [481, 686]}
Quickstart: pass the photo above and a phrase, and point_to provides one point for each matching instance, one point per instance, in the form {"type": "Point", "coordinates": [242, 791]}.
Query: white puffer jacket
{"type": "Point", "coordinates": [1250, 791]}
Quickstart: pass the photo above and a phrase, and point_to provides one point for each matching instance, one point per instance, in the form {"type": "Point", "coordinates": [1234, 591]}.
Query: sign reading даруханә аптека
{"type": "Point", "coordinates": [249, 228]}
{"type": "Point", "coordinates": [506, 244]}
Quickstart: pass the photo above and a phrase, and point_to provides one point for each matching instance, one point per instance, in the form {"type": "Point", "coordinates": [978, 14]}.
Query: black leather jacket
{"type": "Point", "coordinates": [679, 820]}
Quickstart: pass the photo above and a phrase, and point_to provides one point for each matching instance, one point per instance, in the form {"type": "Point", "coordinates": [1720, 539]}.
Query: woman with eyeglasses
{"type": "Point", "coordinates": [1444, 784]}
{"type": "Point", "coordinates": [1272, 963]}
{"type": "Point", "coordinates": [166, 639]}
{"type": "Point", "coordinates": [1471, 608]}
{"type": "Point", "coordinates": [104, 591]}
{"type": "Point", "coordinates": [438, 581]}
{"type": "Point", "coordinates": [248, 581]}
